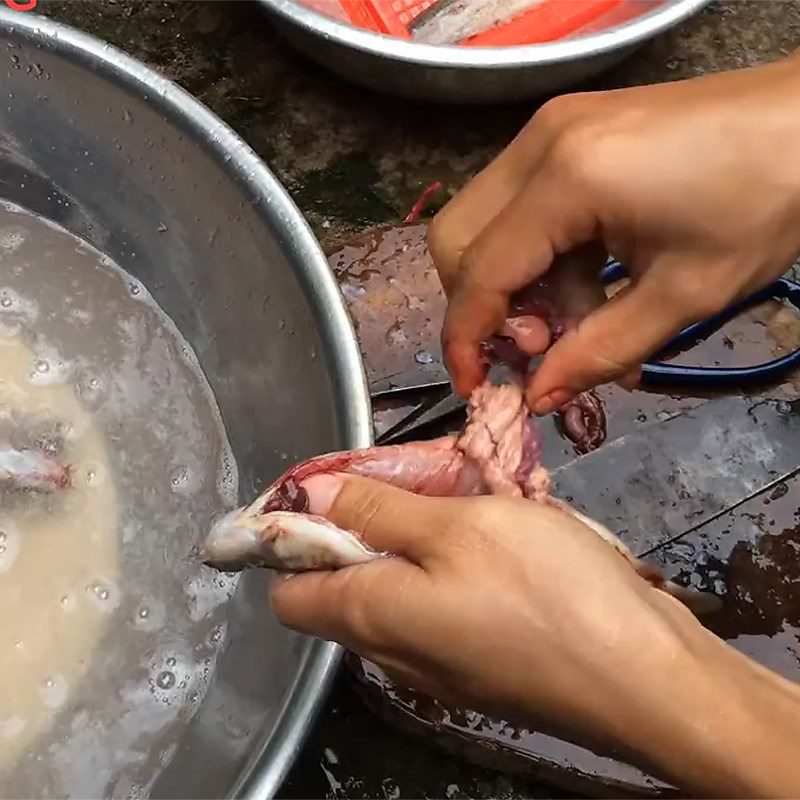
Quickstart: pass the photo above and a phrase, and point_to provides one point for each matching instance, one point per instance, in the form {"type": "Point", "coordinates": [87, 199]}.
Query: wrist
{"type": "Point", "coordinates": [711, 720]}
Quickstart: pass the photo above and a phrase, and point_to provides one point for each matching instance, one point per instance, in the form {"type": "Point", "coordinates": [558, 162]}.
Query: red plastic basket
{"type": "Point", "coordinates": [393, 17]}
{"type": "Point", "coordinates": [545, 22]}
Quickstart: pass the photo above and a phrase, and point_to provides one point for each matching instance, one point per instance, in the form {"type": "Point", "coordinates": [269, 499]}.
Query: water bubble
{"type": "Point", "coordinates": [6, 301]}
{"type": "Point", "coordinates": [171, 661]}
{"type": "Point", "coordinates": [11, 239]}
{"type": "Point", "coordinates": [150, 615]}
{"type": "Point", "coordinates": [134, 289]}
{"type": "Point", "coordinates": [67, 602]}
{"type": "Point", "coordinates": [90, 388]}
{"type": "Point", "coordinates": [184, 480]}
{"type": "Point", "coordinates": [53, 691]}
{"type": "Point", "coordinates": [424, 357]}
{"type": "Point", "coordinates": [49, 368]}
{"type": "Point", "coordinates": [103, 595]}
{"type": "Point", "coordinates": [165, 679]}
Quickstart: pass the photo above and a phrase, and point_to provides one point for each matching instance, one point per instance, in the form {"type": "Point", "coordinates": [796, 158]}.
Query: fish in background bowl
{"type": "Point", "coordinates": [481, 23]}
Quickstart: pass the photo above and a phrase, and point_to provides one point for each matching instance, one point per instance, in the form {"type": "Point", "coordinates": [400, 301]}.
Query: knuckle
{"type": "Point", "coordinates": [437, 237]}
{"type": "Point", "coordinates": [690, 296]}
{"type": "Point", "coordinates": [279, 601]}
{"type": "Point", "coordinates": [354, 608]}
{"type": "Point", "coordinates": [471, 267]}
{"type": "Point", "coordinates": [367, 506]}
{"type": "Point", "coordinates": [573, 153]}
{"type": "Point", "coordinates": [553, 114]}
{"type": "Point", "coordinates": [475, 527]}
{"type": "Point", "coordinates": [443, 249]}
{"type": "Point", "coordinates": [605, 366]}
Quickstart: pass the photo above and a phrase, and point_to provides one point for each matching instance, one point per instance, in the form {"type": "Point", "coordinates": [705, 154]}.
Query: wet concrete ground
{"type": "Point", "coordinates": [352, 160]}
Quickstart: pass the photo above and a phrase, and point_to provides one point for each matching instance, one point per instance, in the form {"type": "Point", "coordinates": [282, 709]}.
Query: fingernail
{"type": "Point", "coordinates": [550, 402]}
{"type": "Point", "coordinates": [322, 491]}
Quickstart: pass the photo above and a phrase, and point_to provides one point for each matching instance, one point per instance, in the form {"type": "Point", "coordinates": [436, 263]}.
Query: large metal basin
{"type": "Point", "coordinates": [121, 157]}
{"type": "Point", "coordinates": [474, 74]}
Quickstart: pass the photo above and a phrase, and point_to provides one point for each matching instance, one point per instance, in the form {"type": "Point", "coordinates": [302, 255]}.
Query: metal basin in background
{"type": "Point", "coordinates": [473, 74]}
{"type": "Point", "coordinates": [126, 160]}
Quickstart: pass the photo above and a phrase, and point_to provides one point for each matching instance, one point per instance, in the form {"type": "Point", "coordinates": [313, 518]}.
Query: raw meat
{"type": "Point", "coordinates": [496, 453]}
{"type": "Point", "coordinates": [452, 21]}
{"type": "Point", "coordinates": [31, 469]}
{"type": "Point", "coordinates": [583, 418]}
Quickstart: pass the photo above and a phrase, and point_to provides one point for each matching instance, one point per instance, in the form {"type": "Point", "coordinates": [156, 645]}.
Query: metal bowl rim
{"type": "Point", "coordinates": [283, 741]}
{"type": "Point", "coordinates": [390, 48]}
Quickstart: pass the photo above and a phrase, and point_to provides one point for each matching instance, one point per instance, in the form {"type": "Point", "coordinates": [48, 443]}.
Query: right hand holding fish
{"type": "Point", "coordinates": [694, 185]}
{"type": "Point", "coordinates": [519, 609]}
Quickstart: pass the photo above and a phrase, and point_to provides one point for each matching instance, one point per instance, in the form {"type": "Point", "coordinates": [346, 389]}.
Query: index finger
{"type": "Point", "coordinates": [544, 220]}
{"type": "Point", "coordinates": [455, 227]}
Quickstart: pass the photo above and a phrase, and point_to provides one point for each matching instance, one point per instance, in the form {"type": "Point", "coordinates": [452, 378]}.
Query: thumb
{"type": "Point", "coordinates": [610, 343]}
{"type": "Point", "coordinates": [347, 605]}
{"type": "Point", "coordinates": [384, 517]}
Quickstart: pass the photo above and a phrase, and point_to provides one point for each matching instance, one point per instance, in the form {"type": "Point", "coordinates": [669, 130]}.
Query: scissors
{"type": "Point", "coordinates": [655, 374]}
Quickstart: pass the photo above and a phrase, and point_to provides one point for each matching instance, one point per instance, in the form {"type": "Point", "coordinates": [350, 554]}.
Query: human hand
{"type": "Point", "coordinates": [517, 608]}
{"type": "Point", "coordinates": [494, 603]}
{"type": "Point", "coordinates": [693, 185]}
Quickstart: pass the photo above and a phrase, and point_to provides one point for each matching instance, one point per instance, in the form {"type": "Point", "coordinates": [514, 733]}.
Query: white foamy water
{"type": "Point", "coordinates": [110, 626]}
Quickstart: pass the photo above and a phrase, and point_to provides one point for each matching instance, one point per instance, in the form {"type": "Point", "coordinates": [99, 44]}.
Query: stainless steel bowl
{"type": "Point", "coordinates": [113, 152]}
{"type": "Point", "coordinates": [469, 74]}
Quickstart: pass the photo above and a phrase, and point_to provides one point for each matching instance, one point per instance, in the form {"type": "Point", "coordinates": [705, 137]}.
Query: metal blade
{"type": "Point", "coordinates": [674, 476]}
{"type": "Point", "coordinates": [422, 418]}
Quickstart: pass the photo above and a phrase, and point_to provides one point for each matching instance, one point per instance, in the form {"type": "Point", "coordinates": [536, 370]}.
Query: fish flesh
{"type": "Point", "coordinates": [453, 21]}
{"type": "Point", "coordinates": [31, 469]}
{"type": "Point", "coordinates": [497, 453]}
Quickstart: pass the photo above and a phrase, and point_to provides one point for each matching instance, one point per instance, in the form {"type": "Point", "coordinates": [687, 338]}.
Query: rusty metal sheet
{"type": "Point", "coordinates": [665, 479]}
{"type": "Point", "coordinates": [396, 303]}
